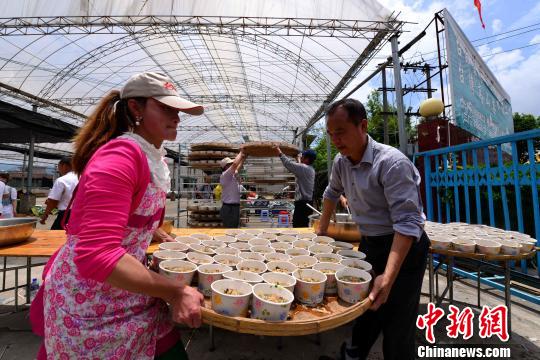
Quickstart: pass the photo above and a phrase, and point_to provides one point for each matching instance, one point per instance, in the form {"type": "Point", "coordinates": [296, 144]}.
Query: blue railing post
{"type": "Point", "coordinates": [466, 186]}
{"type": "Point", "coordinates": [490, 191]}
{"type": "Point", "coordinates": [534, 190]}
{"type": "Point", "coordinates": [477, 188]}
{"type": "Point", "coordinates": [503, 188]}
{"type": "Point", "coordinates": [456, 192]}
{"type": "Point", "coordinates": [427, 181]}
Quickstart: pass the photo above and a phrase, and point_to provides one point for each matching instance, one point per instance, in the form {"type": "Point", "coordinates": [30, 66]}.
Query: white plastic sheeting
{"type": "Point", "coordinates": [257, 82]}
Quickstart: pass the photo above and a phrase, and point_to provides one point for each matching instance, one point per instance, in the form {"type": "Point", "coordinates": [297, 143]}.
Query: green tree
{"type": "Point", "coordinates": [525, 122]}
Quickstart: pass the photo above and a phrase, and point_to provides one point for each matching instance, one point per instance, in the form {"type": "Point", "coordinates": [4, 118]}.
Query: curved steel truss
{"type": "Point", "coordinates": [260, 78]}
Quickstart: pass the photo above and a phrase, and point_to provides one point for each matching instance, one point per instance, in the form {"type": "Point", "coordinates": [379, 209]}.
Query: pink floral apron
{"type": "Point", "coordinates": [87, 319]}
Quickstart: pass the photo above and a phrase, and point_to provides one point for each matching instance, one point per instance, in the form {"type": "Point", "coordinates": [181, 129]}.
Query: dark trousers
{"type": "Point", "coordinates": [301, 214]}
{"type": "Point", "coordinates": [57, 224]}
{"type": "Point", "coordinates": [397, 317]}
{"type": "Point", "coordinates": [230, 215]}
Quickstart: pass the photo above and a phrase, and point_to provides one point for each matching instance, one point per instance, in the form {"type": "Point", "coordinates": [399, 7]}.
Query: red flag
{"type": "Point", "coordinates": [478, 5]}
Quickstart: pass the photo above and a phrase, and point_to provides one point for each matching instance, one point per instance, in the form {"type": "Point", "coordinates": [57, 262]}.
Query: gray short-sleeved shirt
{"type": "Point", "coordinates": [304, 175]}
{"type": "Point", "coordinates": [382, 191]}
{"type": "Point", "coordinates": [230, 193]}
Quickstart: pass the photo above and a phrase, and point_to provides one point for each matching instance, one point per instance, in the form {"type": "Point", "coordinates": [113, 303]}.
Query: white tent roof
{"type": "Point", "coordinates": [263, 68]}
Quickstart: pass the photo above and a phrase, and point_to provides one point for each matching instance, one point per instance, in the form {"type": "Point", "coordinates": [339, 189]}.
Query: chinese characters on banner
{"type": "Point", "coordinates": [491, 322]}
{"type": "Point", "coordinates": [480, 105]}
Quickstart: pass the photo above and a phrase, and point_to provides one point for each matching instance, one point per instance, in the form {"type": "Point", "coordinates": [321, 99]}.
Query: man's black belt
{"type": "Point", "coordinates": [231, 204]}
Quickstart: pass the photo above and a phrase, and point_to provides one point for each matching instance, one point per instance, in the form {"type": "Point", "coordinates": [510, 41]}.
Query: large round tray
{"type": "Point", "coordinates": [214, 146]}
{"type": "Point", "coordinates": [266, 148]}
{"type": "Point", "coordinates": [304, 320]}
{"type": "Point", "coordinates": [205, 155]}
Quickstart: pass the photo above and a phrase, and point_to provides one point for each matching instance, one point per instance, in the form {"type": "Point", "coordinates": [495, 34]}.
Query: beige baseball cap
{"type": "Point", "coordinates": [225, 161]}
{"type": "Point", "coordinates": [158, 87]}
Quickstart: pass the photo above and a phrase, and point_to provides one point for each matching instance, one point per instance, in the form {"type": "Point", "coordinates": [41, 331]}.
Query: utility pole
{"type": "Point", "coordinates": [399, 95]}
{"type": "Point", "coordinates": [385, 107]}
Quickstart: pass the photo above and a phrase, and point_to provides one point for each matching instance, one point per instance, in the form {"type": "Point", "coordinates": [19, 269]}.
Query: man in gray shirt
{"type": "Point", "coordinates": [381, 186]}
{"type": "Point", "coordinates": [230, 193]}
{"type": "Point", "coordinates": [305, 180]}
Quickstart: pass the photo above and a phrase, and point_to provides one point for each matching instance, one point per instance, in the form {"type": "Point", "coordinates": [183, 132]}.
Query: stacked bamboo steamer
{"type": "Point", "coordinates": [206, 156]}
{"type": "Point", "coordinates": [204, 215]}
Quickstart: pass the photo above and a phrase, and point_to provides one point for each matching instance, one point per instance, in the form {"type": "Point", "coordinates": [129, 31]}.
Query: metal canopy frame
{"type": "Point", "coordinates": [262, 78]}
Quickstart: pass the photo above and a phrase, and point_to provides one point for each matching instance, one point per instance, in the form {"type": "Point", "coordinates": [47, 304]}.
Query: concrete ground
{"type": "Point", "coordinates": [18, 342]}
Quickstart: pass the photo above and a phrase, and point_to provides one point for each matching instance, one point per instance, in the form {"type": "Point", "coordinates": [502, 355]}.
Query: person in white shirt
{"type": "Point", "coordinates": [9, 198]}
{"type": "Point", "coordinates": [230, 194]}
{"type": "Point", "coordinates": [61, 193]}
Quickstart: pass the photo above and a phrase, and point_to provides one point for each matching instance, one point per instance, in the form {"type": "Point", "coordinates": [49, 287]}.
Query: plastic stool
{"type": "Point", "coordinates": [283, 220]}
{"type": "Point", "coordinates": [265, 215]}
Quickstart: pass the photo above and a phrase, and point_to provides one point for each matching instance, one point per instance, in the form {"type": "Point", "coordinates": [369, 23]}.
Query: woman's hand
{"type": "Point", "coordinates": [161, 236]}
{"type": "Point", "coordinates": [186, 306]}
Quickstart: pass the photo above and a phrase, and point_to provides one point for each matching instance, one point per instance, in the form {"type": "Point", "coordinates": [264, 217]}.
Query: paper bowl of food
{"type": "Point", "coordinates": [510, 247]}
{"type": "Point", "coordinates": [162, 255]}
{"type": "Point", "coordinates": [291, 232]}
{"type": "Point", "coordinates": [328, 258]}
{"type": "Point", "coordinates": [257, 267]}
{"type": "Point", "coordinates": [242, 246]}
{"type": "Point", "coordinates": [271, 302]}
{"type": "Point", "coordinates": [527, 245]}
{"type": "Point", "coordinates": [260, 249]}
{"type": "Point", "coordinates": [271, 237]}
{"type": "Point", "coordinates": [208, 274]}
{"type": "Point", "coordinates": [199, 259]}
{"type": "Point", "coordinates": [175, 246]}
{"type": "Point", "coordinates": [202, 249]}
{"type": "Point", "coordinates": [214, 244]}
{"type": "Point", "coordinates": [309, 287]}
{"type": "Point", "coordinates": [303, 261]}
{"type": "Point", "coordinates": [329, 269]}
{"type": "Point", "coordinates": [353, 284]}
{"type": "Point", "coordinates": [464, 245]}
{"type": "Point", "coordinates": [244, 237]}
{"type": "Point", "coordinates": [233, 232]}
{"type": "Point", "coordinates": [297, 252]}
{"type": "Point", "coordinates": [281, 246]}
{"type": "Point", "coordinates": [326, 240]}
{"type": "Point", "coordinates": [259, 241]}
{"type": "Point", "coordinates": [226, 259]}
{"type": "Point", "coordinates": [280, 279]}
{"type": "Point", "coordinates": [251, 256]}
{"type": "Point", "coordinates": [357, 264]}
{"type": "Point", "coordinates": [254, 232]}
{"type": "Point", "coordinates": [352, 254]}
{"type": "Point", "coordinates": [440, 243]}
{"type": "Point", "coordinates": [246, 276]}
{"type": "Point", "coordinates": [306, 236]}
{"type": "Point", "coordinates": [227, 251]}
{"type": "Point", "coordinates": [286, 238]}
{"type": "Point", "coordinates": [341, 245]}
{"type": "Point", "coordinates": [231, 297]}
{"type": "Point", "coordinates": [178, 270]}
{"type": "Point", "coordinates": [302, 244]}
{"type": "Point", "coordinates": [488, 247]}
{"type": "Point", "coordinates": [277, 256]}
{"type": "Point", "coordinates": [284, 267]}
{"type": "Point", "coordinates": [188, 240]}
{"type": "Point", "coordinates": [320, 249]}
{"type": "Point", "coordinates": [225, 239]}
{"type": "Point", "coordinates": [201, 237]}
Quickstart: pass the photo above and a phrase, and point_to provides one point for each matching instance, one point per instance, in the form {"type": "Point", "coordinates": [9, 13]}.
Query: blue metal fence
{"type": "Point", "coordinates": [463, 181]}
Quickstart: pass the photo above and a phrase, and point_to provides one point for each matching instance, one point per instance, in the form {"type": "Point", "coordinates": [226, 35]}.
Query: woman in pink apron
{"type": "Point", "coordinates": [98, 299]}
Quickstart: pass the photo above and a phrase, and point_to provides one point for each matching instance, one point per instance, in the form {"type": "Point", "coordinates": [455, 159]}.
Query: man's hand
{"type": "Point", "coordinates": [380, 291]}
{"type": "Point", "coordinates": [343, 201]}
{"type": "Point", "coordinates": [43, 219]}
{"type": "Point", "coordinates": [277, 150]}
